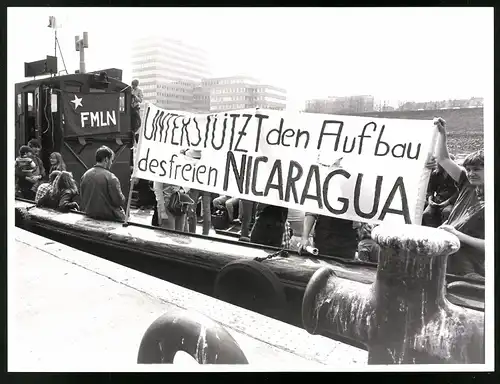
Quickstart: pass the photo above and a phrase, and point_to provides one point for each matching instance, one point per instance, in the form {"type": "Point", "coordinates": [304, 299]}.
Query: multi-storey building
{"type": "Point", "coordinates": [239, 92]}
{"type": "Point", "coordinates": [201, 99]}
{"type": "Point", "coordinates": [168, 71]}
{"type": "Point", "coordinates": [341, 105]}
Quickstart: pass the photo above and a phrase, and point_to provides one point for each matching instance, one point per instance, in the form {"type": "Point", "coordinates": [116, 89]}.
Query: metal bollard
{"type": "Point", "coordinates": [180, 330]}
{"type": "Point", "coordinates": [403, 317]}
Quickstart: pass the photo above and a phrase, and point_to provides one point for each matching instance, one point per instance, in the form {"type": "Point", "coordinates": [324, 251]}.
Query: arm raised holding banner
{"type": "Point", "coordinates": [443, 157]}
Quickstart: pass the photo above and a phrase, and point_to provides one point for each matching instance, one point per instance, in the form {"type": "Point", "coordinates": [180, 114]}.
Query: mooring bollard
{"type": "Point", "coordinates": [403, 317]}
{"type": "Point", "coordinates": [202, 338]}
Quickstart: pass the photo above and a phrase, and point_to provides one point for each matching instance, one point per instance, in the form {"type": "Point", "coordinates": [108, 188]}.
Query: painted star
{"type": "Point", "coordinates": [77, 102]}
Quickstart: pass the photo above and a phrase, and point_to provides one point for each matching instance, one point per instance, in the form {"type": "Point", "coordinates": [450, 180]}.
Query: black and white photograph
{"type": "Point", "coordinates": [275, 189]}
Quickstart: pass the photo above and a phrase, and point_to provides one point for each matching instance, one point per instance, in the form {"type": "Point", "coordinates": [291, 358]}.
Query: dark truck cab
{"type": "Point", "coordinates": [41, 106]}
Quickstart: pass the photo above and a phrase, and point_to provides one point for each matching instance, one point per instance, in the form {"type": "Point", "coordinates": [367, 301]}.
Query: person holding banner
{"type": "Point", "coordinates": [332, 236]}
{"type": "Point", "coordinates": [466, 220]}
{"type": "Point", "coordinates": [270, 224]}
{"type": "Point", "coordinates": [137, 97]}
{"type": "Point", "coordinates": [206, 213]}
{"type": "Point", "coordinates": [166, 218]}
{"type": "Point", "coordinates": [442, 193]}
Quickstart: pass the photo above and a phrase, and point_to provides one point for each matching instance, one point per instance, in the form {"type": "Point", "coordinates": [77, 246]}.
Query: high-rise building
{"type": "Point", "coordinates": [168, 71]}
{"type": "Point", "coordinates": [239, 92]}
{"type": "Point", "coordinates": [341, 105]}
{"type": "Point", "coordinates": [201, 99]}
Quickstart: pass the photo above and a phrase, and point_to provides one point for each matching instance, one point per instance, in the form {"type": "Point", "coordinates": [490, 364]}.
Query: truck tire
{"type": "Point", "coordinates": [200, 337]}
{"type": "Point", "coordinates": [252, 285]}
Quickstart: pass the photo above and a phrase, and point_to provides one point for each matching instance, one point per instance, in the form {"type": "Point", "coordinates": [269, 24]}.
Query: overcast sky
{"type": "Point", "coordinates": [391, 53]}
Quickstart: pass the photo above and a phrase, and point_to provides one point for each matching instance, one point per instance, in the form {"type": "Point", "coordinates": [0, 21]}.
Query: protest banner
{"type": "Point", "coordinates": [356, 168]}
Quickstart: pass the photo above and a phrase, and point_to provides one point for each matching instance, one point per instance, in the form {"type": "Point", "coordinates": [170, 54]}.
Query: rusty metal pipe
{"type": "Point", "coordinates": [403, 317]}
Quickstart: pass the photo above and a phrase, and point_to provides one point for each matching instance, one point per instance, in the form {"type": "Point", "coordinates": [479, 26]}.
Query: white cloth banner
{"type": "Point", "coordinates": [356, 168]}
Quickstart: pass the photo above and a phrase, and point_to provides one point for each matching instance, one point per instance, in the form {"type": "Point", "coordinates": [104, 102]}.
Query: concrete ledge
{"type": "Point", "coordinates": [69, 310]}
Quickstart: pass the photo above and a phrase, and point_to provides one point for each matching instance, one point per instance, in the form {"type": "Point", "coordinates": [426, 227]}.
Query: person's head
{"type": "Point", "coordinates": [53, 175]}
{"type": "Point", "coordinates": [135, 83]}
{"type": "Point", "coordinates": [104, 156]}
{"type": "Point", "coordinates": [25, 151]}
{"type": "Point", "coordinates": [34, 144]}
{"type": "Point", "coordinates": [64, 181]}
{"type": "Point", "coordinates": [56, 159]}
{"type": "Point", "coordinates": [474, 166]}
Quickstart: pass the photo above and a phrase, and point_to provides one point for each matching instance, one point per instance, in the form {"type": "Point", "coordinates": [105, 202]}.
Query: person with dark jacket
{"type": "Point", "coordinates": [27, 173]}
{"type": "Point", "coordinates": [442, 193]}
{"type": "Point", "coordinates": [34, 144]}
{"type": "Point", "coordinates": [63, 194]}
{"type": "Point", "coordinates": [332, 236]}
{"type": "Point", "coordinates": [101, 194]}
{"type": "Point", "coordinates": [269, 227]}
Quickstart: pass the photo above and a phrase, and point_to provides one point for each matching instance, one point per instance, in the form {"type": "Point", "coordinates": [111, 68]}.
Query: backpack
{"type": "Point", "coordinates": [179, 203]}
{"type": "Point", "coordinates": [220, 219]}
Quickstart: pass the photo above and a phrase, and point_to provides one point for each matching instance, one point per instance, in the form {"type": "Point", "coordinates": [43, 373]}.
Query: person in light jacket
{"type": "Point", "coordinates": [167, 219]}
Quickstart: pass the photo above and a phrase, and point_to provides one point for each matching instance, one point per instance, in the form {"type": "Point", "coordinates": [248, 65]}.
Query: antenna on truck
{"type": "Point", "coordinates": [53, 24]}
{"type": "Point", "coordinates": [80, 45]}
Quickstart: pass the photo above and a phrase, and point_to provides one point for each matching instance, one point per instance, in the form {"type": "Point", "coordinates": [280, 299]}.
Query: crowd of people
{"type": "Point", "coordinates": [455, 203]}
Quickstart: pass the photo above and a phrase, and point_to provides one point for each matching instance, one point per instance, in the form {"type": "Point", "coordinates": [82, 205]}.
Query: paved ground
{"type": "Point", "coordinates": [70, 311]}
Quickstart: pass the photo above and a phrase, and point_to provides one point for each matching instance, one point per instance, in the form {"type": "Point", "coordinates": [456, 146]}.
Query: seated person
{"type": "Point", "coordinates": [332, 236]}
{"type": "Point", "coordinates": [63, 194]}
{"type": "Point", "coordinates": [27, 173]}
{"type": "Point", "coordinates": [101, 193]}
{"type": "Point", "coordinates": [227, 202]}
{"type": "Point", "coordinates": [46, 187]}
{"type": "Point", "coordinates": [442, 193]}
{"type": "Point", "coordinates": [466, 219]}
{"type": "Point", "coordinates": [56, 162]}
{"type": "Point", "coordinates": [269, 226]}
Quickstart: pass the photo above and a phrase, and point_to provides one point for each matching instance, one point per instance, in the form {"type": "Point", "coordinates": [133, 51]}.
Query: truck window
{"type": "Point", "coordinates": [72, 88]}
{"type": "Point", "coordinates": [122, 102]}
{"type": "Point", "coordinates": [29, 101]}
{"type": "Point", "coordinates": [53, 102]}
{"type": "Point", "coordinates": [19, 104]}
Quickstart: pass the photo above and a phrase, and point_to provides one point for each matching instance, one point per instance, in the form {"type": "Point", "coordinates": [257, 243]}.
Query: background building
{"type": "Point", "coordinates": [473, 102]}
{"type": "Point", "coordinates": [237, 92]}
{"type": "Point", "coordinates": [341, 105]}
{"type": "Point", "coordinates": [168, 71]}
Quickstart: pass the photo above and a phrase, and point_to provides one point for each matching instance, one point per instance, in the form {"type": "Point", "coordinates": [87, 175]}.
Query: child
{"type": "Point", "coordinates": [27, 174]}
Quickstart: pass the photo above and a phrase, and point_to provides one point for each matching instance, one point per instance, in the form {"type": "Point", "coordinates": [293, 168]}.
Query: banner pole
{"type": "Point", "coordinates": [135, 151]}
{"type": "Point", "coordinates": [422, 192]}
{"type": "Point", "coordinates": [129, 201]}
